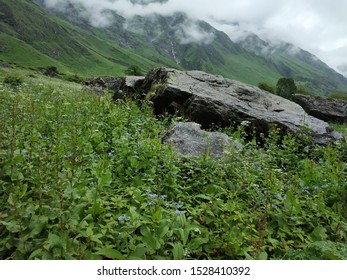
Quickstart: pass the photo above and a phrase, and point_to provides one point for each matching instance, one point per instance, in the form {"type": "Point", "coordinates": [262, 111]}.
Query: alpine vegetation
{"type": "Point", "coordinates": [83, 177]}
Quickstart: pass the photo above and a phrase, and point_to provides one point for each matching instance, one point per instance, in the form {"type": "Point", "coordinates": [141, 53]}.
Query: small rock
{"type": "Point", "coordinates": [189, 140]}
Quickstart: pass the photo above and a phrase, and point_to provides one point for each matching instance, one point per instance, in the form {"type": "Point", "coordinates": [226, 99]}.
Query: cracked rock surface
{"type": "Point", "coordinates": [214, 100]}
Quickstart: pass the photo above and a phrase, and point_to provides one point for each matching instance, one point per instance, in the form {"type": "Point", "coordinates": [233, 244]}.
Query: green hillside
{"type": "Point", "coordinates": [291, 61]}
{"type": "Point", "coordinates": [33, 37]}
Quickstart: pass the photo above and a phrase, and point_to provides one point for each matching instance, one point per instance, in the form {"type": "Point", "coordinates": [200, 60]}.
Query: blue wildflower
{"type": "Point", "coordinates": [153, 195]}
{"type": "Point", "coordinates": [68, 155]}
{"type": "Point", "coordinates": [177, 212]}
{"type": "Point", "coordinates": [111, 154]}
{"type": "Point", "coordinates": [151, 203]}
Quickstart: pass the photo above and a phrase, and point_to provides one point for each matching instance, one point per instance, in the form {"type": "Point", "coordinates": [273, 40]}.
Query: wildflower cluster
{"type": "Point", "coordinates": [156, 199]}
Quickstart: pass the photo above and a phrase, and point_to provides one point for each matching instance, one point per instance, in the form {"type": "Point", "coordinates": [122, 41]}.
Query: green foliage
{"type": "Point", "coordinates": [319, 250]}
{"type": "Point", "coordinates": [50, 71]}
{"type": "Point", "coordinates": [13, 81]}
{"type": "Point", "coordinates": [338, 95]}
{"type": "Point", "coordinates": [267, 87]}
{"type": "Point", "coordinates": [84, 178]}
{"type": "Point", "coordinates": [285, 87]}
{"type": "Point", "coordinates": [133, 70]}
{"type": "Point", "coordinates": [302, 90]}
{"type": "Point", "coordinates": [74, 78]}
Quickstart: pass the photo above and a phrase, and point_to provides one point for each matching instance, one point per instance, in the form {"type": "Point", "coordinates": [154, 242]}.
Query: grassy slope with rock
{"type": "Point", "coordinates": [84, 178]}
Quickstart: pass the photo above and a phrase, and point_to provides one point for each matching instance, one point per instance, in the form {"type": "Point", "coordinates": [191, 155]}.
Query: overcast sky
{"type": "Point", "coordinates": [318, 26]}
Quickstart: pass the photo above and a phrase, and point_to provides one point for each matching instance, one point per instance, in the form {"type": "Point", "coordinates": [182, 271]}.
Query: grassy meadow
{"type": "Point", "coordinates": [84, 178]}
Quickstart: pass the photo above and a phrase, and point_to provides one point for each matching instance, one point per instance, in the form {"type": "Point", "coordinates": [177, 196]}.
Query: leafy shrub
{"type": "Point", "coordinates": [133, 70]}
{"type": "Point", "coordinates": [13, 81]}
{"type": "Point", "coordinates": [338, 95]}
{"type": "Point", "coordinates": [303, 91]}
{"type": "Point", "coordinates": [50, 71]}
{"type": "Point", "coordinates": [266, 87]}
{"type": "Point", "coordinates": [285, 87]}
{"type": "Point", "coordinates": [74, 78]}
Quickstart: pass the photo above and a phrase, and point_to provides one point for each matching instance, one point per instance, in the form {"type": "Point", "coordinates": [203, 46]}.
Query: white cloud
{"type": "Point", "coordinates": [318, 26]}
{"type": "Point", "coordinates": [192, 33]}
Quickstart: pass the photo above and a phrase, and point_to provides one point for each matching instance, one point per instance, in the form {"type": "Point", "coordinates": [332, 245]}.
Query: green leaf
{"type": "Point", "coordinates": [89, 231]}
{"type": "Point", "coordinates": [133, 163]}
{"type": "Point", "coordinates": [56, 241]}
{"type": "Point", "coordinates": [203, 197]}
{"type": "Point", "coordinates": [178, 251]}
{"type": "Point", "coordinates": [37, 224]}
{"type": "Point", "coordinates": [162, 230]}
{"type": "Point", "coordinates": [157, 216]}
{"type": "Point", "coordinates": [105, 180]}
{"type": "Point", "coordinates": [149, 238]}
{"type": "Point", "coordinates": [96, 239]}
{"type": "Point", "coordinates": [139, 253]}
{"type": "Point", "coordinates": [319, 234]}
{"type": "Point", "coordinates": [197, 243]}
{"type": "Point", "coordinates": [110, 253]}
{"type": "Point", "coordinates": [96, 209]}
{"type": "Point", "coordinates": [12, 226]}
{"type": "Point", "coordinates": [184, 235]}
{"type": "Point", "coordinates": [262, 256]}
{"type": "Point", "coordinates": [11, 199]}
{"type": "Point", "coordinates": [37, 252]}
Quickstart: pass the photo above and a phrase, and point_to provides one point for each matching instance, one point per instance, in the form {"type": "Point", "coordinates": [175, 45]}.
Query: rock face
{"type": "Point", "coordinates": [213, 100]}
{"type": "Point", "coordinates": [323, 108]}
{"type": "Point", "coordinates": [189, 140]}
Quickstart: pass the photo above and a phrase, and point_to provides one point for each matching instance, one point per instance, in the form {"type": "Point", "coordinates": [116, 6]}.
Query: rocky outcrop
{"type": "Point", "coordinates": [121, 86]}
{"type": "Point", "coordinates": [127, 87]}
{"type": "Point", "coordinates": [189, 140]}
{"type": "Point", "coordinates": [213, 100]}
{"type": "Point", "coordinates": [102, 82]}
{"type": "Point", "coordinates": [327, 109]}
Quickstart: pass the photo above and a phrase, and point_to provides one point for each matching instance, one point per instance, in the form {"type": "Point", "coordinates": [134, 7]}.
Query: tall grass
{"type": "Point", "coordinates": [84, 178]}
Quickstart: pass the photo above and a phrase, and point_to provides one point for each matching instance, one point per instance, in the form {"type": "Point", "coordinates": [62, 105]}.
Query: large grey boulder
{"type": "Point", "coordinates": [324, 108]}
{"type": "Point", "coordinates": [189, 140]}
{"type": "Point", "coordinates": [213, 100]}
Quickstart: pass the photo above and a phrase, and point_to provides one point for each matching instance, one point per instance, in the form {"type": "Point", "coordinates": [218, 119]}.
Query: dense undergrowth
{"type": "Point", "coordinates": [83, 178]}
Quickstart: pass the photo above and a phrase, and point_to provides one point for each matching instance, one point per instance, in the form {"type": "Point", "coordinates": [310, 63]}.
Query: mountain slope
{"type": "Point", "coordinates": [197, 45]}
{"type": "Point", "coordinates": [32, 35]}
{"type": "Point", "coordinates": [53, 40]}
{"type": "Point", "coordinates": [292, 61]}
